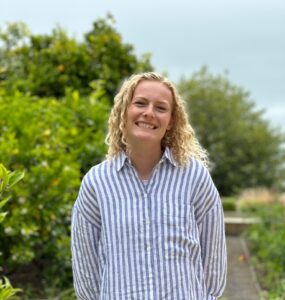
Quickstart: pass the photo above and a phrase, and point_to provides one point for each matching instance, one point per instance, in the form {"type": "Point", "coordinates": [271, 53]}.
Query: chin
{"type": "Point", "coordinates": [146, 138]}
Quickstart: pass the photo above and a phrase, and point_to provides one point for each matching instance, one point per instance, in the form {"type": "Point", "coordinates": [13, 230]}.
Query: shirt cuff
{"type": "Point", "coordinates": [211, 297]}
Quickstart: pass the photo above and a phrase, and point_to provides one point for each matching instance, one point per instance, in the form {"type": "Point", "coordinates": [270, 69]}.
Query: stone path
{"type": "Point", "coordinates": [241, 281]}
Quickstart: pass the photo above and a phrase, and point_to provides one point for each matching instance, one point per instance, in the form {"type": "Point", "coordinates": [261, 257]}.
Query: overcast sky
{"type": "Point", "coordinates": [244, 37]}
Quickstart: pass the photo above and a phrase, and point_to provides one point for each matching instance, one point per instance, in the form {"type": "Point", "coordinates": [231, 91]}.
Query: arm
{"type": "Point", "coordinates": [210, 221]}
{"type": "Point", "coordinates": [85, 236]}
{"type": "Point", "coordinates": [213, 248]}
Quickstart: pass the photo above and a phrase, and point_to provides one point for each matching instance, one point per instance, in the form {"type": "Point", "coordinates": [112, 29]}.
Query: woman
{"type": "Point", "coordinates": [148, 221]}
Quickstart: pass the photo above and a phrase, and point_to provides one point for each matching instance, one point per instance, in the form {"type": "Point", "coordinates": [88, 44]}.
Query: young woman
{"type": "Point", "coordinates": [148, 221]}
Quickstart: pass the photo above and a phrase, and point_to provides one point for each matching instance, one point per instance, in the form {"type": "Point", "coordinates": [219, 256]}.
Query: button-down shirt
{"type": "Point", "coordinates": [160, 239]}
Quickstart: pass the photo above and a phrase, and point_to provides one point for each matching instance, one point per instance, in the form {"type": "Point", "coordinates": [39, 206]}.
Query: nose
{"type": "Point", "coordinates": [149, 111]}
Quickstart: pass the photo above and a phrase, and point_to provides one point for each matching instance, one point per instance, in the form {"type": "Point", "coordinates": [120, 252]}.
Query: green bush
{"type": "Point", "coordinates": [55, 142]}
{"type": "Point", "coordinates": [229, 203]}
{"type": "Point", "coordinates": [267, 243]}
{"type": "Point", "coordinates": [7, 180]}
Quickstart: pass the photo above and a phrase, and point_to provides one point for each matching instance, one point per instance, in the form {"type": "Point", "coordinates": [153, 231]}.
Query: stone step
{"type": "Point", "coordinates": [236, 225]}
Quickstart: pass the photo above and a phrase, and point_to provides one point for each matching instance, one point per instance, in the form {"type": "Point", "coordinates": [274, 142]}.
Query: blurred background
{"type": "Point", "coordinates": [61, 63]}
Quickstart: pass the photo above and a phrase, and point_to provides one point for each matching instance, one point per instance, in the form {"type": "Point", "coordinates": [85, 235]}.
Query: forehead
{"type": "Point", "coordinates": [153, 90]}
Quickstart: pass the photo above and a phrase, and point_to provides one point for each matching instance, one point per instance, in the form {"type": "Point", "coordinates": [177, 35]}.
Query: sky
{"type": "Point", "coordinates": [246, 38]}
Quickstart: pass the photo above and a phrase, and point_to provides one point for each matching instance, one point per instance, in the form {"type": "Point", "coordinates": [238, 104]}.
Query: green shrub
{"type": "Point", "coordinates": [267, 243]}
{"type": "Point", "coordinates": [7, 180]}
{"type": "Point", "coordinates": [55, 142]}
{"type": "Point", "coordinates": [229, 203]}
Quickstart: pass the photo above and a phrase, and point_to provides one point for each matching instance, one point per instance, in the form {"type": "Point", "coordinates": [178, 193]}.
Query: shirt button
{"type": "Point", "coordinates": [147, 221]}
{"type": "Point", "coordinates": [145, 195]}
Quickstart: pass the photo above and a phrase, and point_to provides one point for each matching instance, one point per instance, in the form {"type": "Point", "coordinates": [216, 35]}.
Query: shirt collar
{"type": "Point", "coordinates": [169, 156]}
{"type": "Point", "coordinates": [122, 158]}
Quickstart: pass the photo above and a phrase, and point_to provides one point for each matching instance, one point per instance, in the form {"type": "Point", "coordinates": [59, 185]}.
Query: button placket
{"type": "Point", "coordinates": [148, 243]}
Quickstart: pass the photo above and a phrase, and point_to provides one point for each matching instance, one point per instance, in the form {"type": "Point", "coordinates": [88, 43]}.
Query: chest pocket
{"type": "Point", "coordinates": [180, 230]}
{"type": "Point", "coordinates": [178, 215]}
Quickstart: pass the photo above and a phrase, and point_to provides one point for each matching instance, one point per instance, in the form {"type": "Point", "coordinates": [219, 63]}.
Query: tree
{"type": "Point", "coordinates": [46, 65]}
{"type": "Point", "coordinates": [109, 58]}
{"type": "Point", "coordinates": [244, 150]}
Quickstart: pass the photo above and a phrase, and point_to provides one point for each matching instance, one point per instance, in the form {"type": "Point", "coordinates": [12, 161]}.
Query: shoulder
{"type": "Point", "coordinates": [92, 183]}
{"type": "Point", "coordinates": [100, 169]}
{"type": "Point", "coordinates": [204, 186]}
{"type": "Point", "coordinates": [197, 169]}
{"type": "Point", "coordinates": [96, 174]}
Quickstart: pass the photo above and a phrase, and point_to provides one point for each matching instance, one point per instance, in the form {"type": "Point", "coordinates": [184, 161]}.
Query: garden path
{"type": "Point", "coordinates": [241, 280]}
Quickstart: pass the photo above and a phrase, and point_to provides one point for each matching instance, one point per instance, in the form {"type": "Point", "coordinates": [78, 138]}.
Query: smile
{"type": "Point", "coordinates": [145, 125]}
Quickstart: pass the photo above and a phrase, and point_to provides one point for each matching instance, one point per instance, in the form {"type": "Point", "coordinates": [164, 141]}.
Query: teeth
{"type": "Point", "coordinates": [148, 126]}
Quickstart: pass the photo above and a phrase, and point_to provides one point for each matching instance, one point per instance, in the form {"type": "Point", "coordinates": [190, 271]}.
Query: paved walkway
{"type": "Point", "coordinates": [241, 281]}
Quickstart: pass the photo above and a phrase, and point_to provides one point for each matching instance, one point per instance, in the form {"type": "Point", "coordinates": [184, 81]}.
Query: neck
{"type": "Point", "coordinates": [144, 160]}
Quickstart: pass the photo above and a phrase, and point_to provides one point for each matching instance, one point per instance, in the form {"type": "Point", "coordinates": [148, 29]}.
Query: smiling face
{"type": "Point", "coordinates": [149, 114]}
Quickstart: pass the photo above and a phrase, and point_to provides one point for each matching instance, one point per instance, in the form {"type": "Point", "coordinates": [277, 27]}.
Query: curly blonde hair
{"type": "Point", "coordinates": [180, 138]}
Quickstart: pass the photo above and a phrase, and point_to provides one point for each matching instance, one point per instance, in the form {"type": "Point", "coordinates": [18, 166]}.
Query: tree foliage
{"type": "Point", "coordinates": [7, 180]}
{"type": "Point", "coordinates": [55, 142]}
{"type": "Point", "coordinates": [45, 65]}
{"type": "Point", "coordinates": [245, 151]}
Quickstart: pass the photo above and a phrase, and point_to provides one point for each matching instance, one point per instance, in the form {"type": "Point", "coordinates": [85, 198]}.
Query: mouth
{"type": "Point", "coordinates": [145, 125]}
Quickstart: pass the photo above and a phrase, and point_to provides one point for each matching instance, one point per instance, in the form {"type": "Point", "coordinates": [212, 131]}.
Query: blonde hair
{"type": "Point", "coordinates": [180, 138]}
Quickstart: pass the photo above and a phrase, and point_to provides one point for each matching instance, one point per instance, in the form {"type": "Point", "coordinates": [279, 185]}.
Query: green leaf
{"type": "Point", "coordinates": [7, 290]}
{"type": "Point", "coordinates": [2, 216]}
{"type": "Point", "coordinates": [4, 201]}
{"type": "Point", "coordinates": [15, 177]}
{"type": "Point", "coordinates": [3, 178]}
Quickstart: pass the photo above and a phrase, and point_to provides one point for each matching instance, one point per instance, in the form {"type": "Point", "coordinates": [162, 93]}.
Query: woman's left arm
{"type": "Point", "coordinates": [214, 254]}
{"type": "Point", "coordinates": [210, 221]}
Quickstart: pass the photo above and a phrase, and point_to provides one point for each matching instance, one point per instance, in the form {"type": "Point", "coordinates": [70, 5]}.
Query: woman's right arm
{"type": "Point", "coordinates": [85, 236]}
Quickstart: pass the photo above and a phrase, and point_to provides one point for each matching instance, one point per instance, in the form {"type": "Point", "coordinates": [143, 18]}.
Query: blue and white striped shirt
{"type": "Point", "coordinates": [163, 239]}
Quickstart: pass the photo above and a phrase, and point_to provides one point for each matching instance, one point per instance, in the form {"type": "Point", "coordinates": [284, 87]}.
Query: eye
{"type": "Point", "coordinates": [161, 108]}
{"type": "Point", "coordinates": [139, 103]}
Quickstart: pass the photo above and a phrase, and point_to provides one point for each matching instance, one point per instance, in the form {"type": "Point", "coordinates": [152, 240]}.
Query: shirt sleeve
{"type": "Point", "coordinates": [210, 221]}
{"type": "Point", "coordinates": [213, 248]}
{"type": "Point", "coordinates": [85, 237]}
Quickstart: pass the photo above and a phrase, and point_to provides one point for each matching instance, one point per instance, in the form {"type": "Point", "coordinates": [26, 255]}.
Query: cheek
{"type": "Point", "coordinates": [131, 113]}
{"type": "Point", "coordinates": [128, 115]}
{"type": "Point", "coordinates": [170, 123]}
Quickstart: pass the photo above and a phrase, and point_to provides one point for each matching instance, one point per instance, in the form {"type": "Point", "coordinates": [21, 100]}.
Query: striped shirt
{"type": "Point", "coordinates": [160, 239]}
